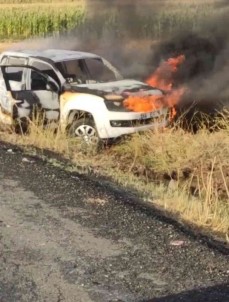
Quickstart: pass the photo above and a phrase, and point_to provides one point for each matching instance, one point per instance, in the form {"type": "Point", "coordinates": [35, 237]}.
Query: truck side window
{"type": "Point", "coordinates": [38, 82]}
{"type": "Point", "coordinates": [14, 74]}
{"type": "Point", "coordinates": [14, 77]}
{"type": "Point", "coordinates": [45, 68]}
{"type": "Point", "coordinates": [98, 71]}
{"type": "Point", "coordinates": [73, 71]}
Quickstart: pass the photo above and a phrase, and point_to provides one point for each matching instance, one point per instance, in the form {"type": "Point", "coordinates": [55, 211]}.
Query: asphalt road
{"type": "Point", "coordinates": [66, 237]}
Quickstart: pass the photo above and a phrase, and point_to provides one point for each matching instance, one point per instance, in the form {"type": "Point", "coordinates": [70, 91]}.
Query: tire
{"type": "Point", "coordinates": [85, 130]}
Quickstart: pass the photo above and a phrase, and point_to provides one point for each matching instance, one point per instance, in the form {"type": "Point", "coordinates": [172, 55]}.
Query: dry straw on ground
{"type": "Point", "coordinates": [181, 172]}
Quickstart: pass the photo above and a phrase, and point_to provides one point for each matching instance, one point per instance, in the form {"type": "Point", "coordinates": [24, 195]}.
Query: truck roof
{"type": "Point", "coordinates": [56, 55]}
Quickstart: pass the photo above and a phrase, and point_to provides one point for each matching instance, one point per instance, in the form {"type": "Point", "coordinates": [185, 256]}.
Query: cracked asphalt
{"type": "Point", "coordinates": [69, 237]}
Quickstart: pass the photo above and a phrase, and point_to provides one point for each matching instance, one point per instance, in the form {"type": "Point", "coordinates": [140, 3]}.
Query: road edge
{"type": "Point", "coordinates": [134, 198]}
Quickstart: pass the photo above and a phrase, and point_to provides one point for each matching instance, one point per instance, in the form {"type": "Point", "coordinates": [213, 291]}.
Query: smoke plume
{"type": "Point", "coordinates": [206, 49]}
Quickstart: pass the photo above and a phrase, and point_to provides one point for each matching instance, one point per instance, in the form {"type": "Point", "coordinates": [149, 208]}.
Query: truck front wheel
{"type": "Point", "coordinates": [86, 131]}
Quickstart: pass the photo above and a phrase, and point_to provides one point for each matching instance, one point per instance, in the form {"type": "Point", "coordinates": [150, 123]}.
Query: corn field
{"type": "Point", "coordinates": [22, 22]}
{"type": "Point", "coordinates": [20, 19]}
{"type": "Point", "coordinates": [8, 2]}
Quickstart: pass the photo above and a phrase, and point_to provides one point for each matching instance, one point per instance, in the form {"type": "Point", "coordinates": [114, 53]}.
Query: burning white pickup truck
{"type": "Point", "coordinates": [82, 91]}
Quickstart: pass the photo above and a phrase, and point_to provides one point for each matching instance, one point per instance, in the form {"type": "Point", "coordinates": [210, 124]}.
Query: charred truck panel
{"type": "Point", "coordinates": [81, 91]}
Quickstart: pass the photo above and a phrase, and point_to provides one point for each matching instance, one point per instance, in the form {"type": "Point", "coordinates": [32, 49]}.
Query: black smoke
{"type": "Point", "coordinates": [205, 71]}
{"type": "Point", "coordinates": [200, 55]}
{"type": "Point", "coordinates": [206, 49]}
{"type": "Point", "coordinates": [115, 29]}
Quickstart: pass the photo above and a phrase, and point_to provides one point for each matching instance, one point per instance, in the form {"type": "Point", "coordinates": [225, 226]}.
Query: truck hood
{"type": "Point", "coordinates": [115, 93]}
{"type": "Point", "coordinates": [121, 87]}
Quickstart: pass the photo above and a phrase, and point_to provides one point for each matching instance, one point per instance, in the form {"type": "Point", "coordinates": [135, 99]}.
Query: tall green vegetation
{"type": "Point", "coordinates": [26, 18]}
{"type": "Point", "coordinates": [24, 21]}
{"type": "Point", "coordinates": [18, 2]}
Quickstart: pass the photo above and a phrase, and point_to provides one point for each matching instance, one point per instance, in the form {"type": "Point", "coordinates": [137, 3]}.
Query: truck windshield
{"type": "Point", "coordinates": [90, 70]}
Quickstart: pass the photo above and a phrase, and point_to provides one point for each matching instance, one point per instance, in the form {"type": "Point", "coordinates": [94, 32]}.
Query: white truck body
{"type": "Point", "coordinates": [64, 85]}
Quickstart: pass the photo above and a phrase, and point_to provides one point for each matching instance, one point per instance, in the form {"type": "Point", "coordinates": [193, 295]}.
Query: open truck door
{"type": "Point", "coordinates": [24, 88]}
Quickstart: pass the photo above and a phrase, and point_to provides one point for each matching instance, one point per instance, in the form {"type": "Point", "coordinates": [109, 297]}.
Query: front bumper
{"type": "Point", "coordinates": [127, 123]}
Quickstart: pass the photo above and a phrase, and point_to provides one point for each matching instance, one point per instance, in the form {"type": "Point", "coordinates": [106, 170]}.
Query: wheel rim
{"type": "Point", "coordinates": [87, 133]}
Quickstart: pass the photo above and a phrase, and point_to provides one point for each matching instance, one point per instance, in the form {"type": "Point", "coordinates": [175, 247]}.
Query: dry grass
{"type": "Point", "coordinates": [183, 173]}
{"type": "Point", "coordinates": [192, 171]}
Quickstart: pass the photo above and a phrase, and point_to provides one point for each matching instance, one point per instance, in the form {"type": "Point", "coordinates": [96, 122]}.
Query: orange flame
{"type": "Point", "coordinates": [153, 102]}
{"type": "Point", "coordinates": [144, 103]}
{"type": "Point", "coordinates": [164, 74]}
{"type": "Point", "coordinates": [163, 79]}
